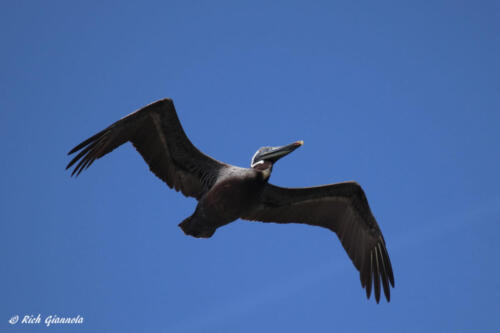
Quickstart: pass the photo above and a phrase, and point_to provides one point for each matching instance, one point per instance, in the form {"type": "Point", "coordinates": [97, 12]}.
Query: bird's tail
{"type": "Point", "coordinates": [196, 228]}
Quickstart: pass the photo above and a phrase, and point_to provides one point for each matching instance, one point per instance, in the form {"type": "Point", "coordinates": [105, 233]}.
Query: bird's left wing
{"type": "Point", "coordinates": [156, 133]}
{"type": "Point", "coordinates": [343, 209]}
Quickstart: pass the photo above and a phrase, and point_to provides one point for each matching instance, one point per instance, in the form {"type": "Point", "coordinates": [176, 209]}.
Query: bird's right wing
{"type": "Point", "coordinates": [156, 133]}
{"type": "Point", "coordinates": [343, 209]}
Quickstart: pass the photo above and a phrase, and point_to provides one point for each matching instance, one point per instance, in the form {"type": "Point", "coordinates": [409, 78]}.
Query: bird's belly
{"type": "Point", "coordinates": [228, 200]}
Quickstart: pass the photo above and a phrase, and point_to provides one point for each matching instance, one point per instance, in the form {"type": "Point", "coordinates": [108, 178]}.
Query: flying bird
{"type": "Point", "coordinates": [226, 192]}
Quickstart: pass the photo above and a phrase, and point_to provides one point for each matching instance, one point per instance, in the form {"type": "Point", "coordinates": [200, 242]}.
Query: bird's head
{"type": "Point", "coordinates": [265, 157]}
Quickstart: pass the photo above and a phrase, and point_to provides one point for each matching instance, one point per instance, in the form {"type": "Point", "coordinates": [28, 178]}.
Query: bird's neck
{"type": "Point", "coordinates": [265, 168]}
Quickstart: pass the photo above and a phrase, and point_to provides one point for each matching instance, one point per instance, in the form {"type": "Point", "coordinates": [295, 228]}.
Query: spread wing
{"type": "Point", "coordinates": [156, 133]}
{"type": "Point", "coordinates": [343, 209]}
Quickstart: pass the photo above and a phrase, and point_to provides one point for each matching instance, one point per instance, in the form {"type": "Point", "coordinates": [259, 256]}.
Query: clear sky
{"type": "Point", "coordinates": [402, 97]}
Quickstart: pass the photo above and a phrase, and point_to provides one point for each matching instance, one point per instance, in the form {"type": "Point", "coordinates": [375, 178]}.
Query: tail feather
{"type": "Point", "coordinates": [193, 227]}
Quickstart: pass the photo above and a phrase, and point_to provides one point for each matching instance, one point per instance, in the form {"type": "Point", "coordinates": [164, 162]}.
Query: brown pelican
{"type": "Point", "coordinates": [226, 193]}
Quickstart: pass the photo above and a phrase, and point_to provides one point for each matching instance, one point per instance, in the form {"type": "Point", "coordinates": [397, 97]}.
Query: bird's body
{"type": "Point", "coordinates": [226, 193]}
{"type": "Point", "coordinates": [229, 199]}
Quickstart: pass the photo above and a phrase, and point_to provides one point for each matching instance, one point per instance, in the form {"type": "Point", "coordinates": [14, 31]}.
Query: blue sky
{"type": "Point", "coordinates": [399, 96]}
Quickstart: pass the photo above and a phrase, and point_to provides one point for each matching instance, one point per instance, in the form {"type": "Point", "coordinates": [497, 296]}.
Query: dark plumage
{"type": "Point", "coordinates": [226, 193]}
